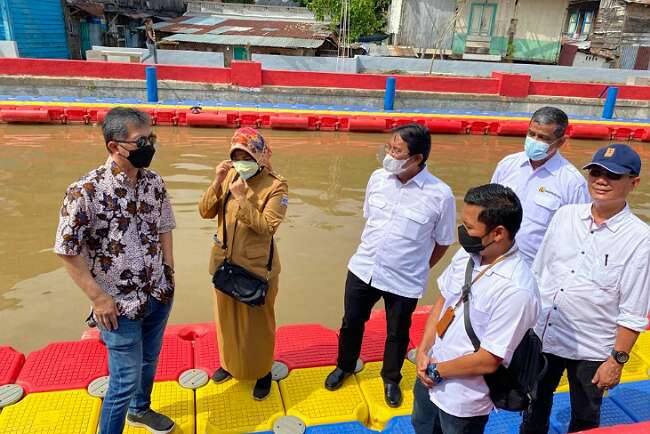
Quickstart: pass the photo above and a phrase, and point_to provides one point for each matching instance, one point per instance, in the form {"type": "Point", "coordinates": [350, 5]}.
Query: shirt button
{"type": "Point", "coordinates": [582, 252]}
{"type": "Point", "coordinates": [572, 271]}
{"type": "Point", "coordinates": [549, 324]}
{"type": "Point", "coordinates": [561, 289]}
{"type": "Point", "coordinates": [554, 307]}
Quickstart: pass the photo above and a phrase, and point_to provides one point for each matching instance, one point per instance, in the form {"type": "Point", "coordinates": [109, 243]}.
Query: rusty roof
{"type": "Point", "coordinates": [219, 25]}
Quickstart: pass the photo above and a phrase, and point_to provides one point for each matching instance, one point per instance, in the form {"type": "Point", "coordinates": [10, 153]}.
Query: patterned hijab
{"type": "Point", "coordinates": [252, 142]}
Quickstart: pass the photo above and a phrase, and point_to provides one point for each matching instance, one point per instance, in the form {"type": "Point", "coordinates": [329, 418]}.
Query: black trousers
{"type": "Point", "coordinates": [360, 297]}
{"type": "Point", "coordinates": [586, 398]}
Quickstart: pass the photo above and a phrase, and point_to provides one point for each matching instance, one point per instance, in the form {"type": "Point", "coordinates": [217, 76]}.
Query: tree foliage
{"type": "Point", "coordinates": [366, 16]}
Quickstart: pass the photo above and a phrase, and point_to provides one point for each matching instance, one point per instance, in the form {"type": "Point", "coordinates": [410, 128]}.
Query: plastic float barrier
{"type": "Point", "coordinates": [600, 132]}
{"type": "Point", "coordinates": [27, 116]}
{"type": "Point", "coordinates": [367, 124]}
{"type": "Point", "coordinates": [289, 122]}
{"type": "Point", "coordinates": [166, 117]}
{"type": "Point", "coordinates": [206, 119]}
{"type": "Point", "coordinates": [11, 361]}
{"type": "Point", "coordinates": [512, 128]}
{"type": "Point", "coordinates": [446, 126]}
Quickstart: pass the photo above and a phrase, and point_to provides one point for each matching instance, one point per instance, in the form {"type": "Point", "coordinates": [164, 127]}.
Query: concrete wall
{"type": "Point", "coordinates": [176, 91]}
{"type": "Point", "coordinates": [372, 64]}
{"type": "Point", "coordinates": [174, 57]}
{"type": "Point", "coordinates": [299, 63]}
{"type": "Point", "coordinates": [537, 37]}
{"type": "Point", "coordinates": [426, 24]}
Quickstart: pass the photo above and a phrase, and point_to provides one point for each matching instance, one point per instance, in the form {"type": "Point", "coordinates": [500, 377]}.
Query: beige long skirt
{"type": "Point", "coordinates": [246, 335]}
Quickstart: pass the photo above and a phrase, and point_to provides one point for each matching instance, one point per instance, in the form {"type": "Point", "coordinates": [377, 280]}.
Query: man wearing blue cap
{"type": "Point", "coordinates": [593, 269]}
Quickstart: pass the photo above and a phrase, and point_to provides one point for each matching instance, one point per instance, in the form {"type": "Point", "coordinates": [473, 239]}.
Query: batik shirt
{"type": "Point", "coordinates": [116, 226]}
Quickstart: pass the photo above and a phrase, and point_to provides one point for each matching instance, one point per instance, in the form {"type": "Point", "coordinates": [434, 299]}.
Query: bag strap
{"type": "Point", "coordinates": [467, 289]}
{"type": "Point", "coordinates": [269, 264]}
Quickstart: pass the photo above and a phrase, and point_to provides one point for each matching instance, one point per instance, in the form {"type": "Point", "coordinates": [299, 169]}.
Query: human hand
{"type": "Point", "coordinates": [422, 361]}
{"type": "Point", "coordinates": [221, 170]}
{"type": "Point", "coordinates": [238, 188]}
{"type": "Point", "coordinates": [608, 374]}
{"type": "Point", "coordinates": [105, 311]}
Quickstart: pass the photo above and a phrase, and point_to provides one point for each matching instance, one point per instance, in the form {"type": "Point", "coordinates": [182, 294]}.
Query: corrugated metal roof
{"type": "Point", "coordinates": [240, 26]}
{"type": "Point", "coordinates": [255, 41]}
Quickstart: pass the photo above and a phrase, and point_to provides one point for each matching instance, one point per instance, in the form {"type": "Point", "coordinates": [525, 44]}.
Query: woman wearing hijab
{"type": "Point", "coordinates": [251, 201]}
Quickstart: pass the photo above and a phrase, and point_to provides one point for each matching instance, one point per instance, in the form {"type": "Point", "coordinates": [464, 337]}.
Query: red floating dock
{"type": "Point", "coordinates": [11, 361]}
{"type": "Point", "coordinates": [306, 346]}
{"type": "Point", "coordinates": [64, 366]}
{"type": "Point", "coordinates": [176, 356]}
{"type": "Point", "coordinates": [206, 352]}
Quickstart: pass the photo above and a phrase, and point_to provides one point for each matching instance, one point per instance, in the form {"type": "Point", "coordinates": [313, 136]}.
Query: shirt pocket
{"type": "Point", "coordinates": [605, 279]}
{"type": "Point", "coordinates": [479, 320]}
{"type": "Point", "coordinates": [411, 224]}
{"type": "Point", "coordinates": [545, 205]}
{"type": "Point", "coordinates": [378, 213]}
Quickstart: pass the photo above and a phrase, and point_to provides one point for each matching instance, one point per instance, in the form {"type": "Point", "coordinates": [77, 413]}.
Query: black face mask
{"type": "Point", "coordinates": [141, 157]}
{"type": "Point", "coordinates": [471, 244]}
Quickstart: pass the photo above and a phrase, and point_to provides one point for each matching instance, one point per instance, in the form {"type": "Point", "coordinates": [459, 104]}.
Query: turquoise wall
{"type": "Point", "coordinates": [37, 26]}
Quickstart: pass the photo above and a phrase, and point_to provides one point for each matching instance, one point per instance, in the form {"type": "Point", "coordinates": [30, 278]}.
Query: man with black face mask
{"type": "Point", "coordinates": [451, 396]}
{"type": "Point", "coordinates": [115, 239]}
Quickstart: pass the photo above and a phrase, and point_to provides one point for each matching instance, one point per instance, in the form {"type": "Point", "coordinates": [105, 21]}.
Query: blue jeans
{"type": "Point", "coordinates": [133, 351]}
{"type": "Point", "coordinates": [427, 418]}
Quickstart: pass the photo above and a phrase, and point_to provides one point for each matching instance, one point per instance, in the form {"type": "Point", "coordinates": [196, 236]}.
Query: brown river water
{"type": "Point", "coordinates": [327, 175]}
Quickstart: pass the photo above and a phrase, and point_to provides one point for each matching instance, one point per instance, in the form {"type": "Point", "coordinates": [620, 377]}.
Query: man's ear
{"type": "Point", "coordinates": [501, 233]}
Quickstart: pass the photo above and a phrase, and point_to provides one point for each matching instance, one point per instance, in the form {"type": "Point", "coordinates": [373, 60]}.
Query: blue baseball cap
{"type": "Point", "coordinates": [617, 158]}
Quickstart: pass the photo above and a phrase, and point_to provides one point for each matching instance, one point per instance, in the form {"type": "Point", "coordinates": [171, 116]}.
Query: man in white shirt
{"type": "Point", "coordinates": [453, 397]}
{"type": "Point", "coordinates": [410, 222]}
{"type": "Point", "coordinates": [593, 272]}
{"type": "Point", "coordinates": [541, 177]}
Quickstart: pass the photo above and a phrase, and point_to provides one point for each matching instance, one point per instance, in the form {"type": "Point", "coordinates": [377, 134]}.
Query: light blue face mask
{"type": "Point", "coordinates": [535, 149]}
{"type": "Point", "coordinates": [246, 169]}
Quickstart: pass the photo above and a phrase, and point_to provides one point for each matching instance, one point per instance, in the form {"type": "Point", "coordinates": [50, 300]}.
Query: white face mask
{"type": "Point", "coordinates": [393, 165]}
{"type": "Point", "coordinates": [246, 169]}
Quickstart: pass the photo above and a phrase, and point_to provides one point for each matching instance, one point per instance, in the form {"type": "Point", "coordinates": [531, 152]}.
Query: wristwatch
{"type": "Point", "coordinates": [621, 357]}
{"type": "Point", "coordinates": [433, 373]}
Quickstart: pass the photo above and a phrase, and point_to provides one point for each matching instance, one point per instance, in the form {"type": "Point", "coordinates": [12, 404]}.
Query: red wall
{"type": "Point", "coordinates": [250, 74]}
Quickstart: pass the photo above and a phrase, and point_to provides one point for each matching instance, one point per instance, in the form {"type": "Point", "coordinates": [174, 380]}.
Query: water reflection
{"type": "Point", "coordinates": [327, 174]}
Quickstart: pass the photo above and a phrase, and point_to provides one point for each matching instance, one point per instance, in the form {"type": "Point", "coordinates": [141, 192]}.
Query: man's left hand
{"type": "Point", "coordinates": [608, 374]}
{"type": "Point", "coordinates": [238, 188]}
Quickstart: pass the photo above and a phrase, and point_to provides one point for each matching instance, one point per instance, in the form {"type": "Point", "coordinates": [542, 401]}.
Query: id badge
{"type": "Point", "coordinates": [445, 322]}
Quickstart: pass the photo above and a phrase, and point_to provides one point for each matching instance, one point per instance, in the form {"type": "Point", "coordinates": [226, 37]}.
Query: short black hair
{"type": "Point", "coordinates": [417, 138]}
{"type": "Point", "coordinates": [501, 207]}
{"type": "Point", "coordinates": [552, 115]}
{"type": "Point", "coordinates": [115, 126]}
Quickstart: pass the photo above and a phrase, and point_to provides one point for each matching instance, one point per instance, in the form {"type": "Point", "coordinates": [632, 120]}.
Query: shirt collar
{"type": "Point", "coordinates": [504, 268]}
{"type": "Point", "coordinates": [418, 179]}
{"type": "Point", "coordinates": [117, 174]}
{"type": "Point", "coordinates": [613, 223]}
{"type": "Point", "coordinates": [551, 166]}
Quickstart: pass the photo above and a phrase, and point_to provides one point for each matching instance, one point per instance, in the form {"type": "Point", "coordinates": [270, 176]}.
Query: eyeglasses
{"type": "Point", "coordinates": [388, 149]}
{"type": "Point", "coordinates": [143, 141]}
{"type": "Point", "coordinates": [598, 172]}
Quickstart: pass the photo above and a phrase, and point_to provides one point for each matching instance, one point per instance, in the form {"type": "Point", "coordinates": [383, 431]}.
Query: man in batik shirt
{"type": "Point", "coordinates": [115, 238]}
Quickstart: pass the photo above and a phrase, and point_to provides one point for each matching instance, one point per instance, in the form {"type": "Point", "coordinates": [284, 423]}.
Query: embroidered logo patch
{"type": "Point", "coordinates": [609, 152]}
{"type": "Point", "coordinates": [285, 200]}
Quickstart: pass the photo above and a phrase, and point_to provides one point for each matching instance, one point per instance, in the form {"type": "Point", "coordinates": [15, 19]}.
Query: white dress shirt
{"type": "Point", "coordinates": [504, 305]}
{"type": "Point", "coordinates": [541, 192]}
{"type": "Point", "coordinates": [404, 222]}
{"type": "Point", "coordinates": [591, 279]}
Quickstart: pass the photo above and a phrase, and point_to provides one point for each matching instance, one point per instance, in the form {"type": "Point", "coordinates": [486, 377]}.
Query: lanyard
{"type": "Point", "coordinates": [470, 268]}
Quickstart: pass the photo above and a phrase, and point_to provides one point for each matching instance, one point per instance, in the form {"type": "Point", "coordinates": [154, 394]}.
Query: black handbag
{"type": "Point", "coordinates": [236, 281]}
